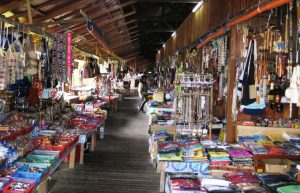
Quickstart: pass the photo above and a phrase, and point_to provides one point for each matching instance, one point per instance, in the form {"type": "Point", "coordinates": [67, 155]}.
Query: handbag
{"type": "Point", "coordinates": [31, 62]}
{"type": "Point", "coordinates": [159, 95]}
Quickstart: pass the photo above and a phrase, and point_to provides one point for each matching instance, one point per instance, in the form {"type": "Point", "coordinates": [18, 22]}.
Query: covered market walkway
{"type": "Point", "coordinates": [120, 162]}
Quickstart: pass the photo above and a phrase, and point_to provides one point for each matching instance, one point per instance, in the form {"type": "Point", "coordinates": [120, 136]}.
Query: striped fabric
{"type": "Point", "coordinates": [2, 72]}
{"type": "Point", "coordinates": [11, 69]}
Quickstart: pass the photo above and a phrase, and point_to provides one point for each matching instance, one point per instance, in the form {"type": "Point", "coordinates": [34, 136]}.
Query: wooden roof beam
{"type": "Point", "coordinates": [11, 5]}
{"type": "Point", "coordinates": [111, 29]}
{"type": "Point", "coordinates": [123, 43]}
{"type": "Point", "coordinates": [24, 13]}
{"type": "Point", "coordinates": [100, 23]}
{"type": "Point", "coordinates": [65, 8]}
{"type": "Point", "coordinates": [172, 1]}
{"type": "Point", "coordinates": [95, 13]}
{"type": "Point", "coordinates": [124, 37]}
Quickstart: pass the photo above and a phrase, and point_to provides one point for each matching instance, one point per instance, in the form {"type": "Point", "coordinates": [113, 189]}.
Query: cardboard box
{"type": "Point", "coordinates": [278, 165]}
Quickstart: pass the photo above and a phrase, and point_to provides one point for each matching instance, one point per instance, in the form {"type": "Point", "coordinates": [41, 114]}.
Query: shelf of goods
{"type": "Point", "coordinates": [242, 130]}
{"type": "Point", "coordinates": [31, 152]}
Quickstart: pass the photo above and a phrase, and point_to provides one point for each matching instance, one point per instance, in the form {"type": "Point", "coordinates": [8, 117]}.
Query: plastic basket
{"type": "Point", "coordinates": [45, 152]}
{"type": "Point", "coordinates": [6, 188]}
{"type": "Point", "coordinates": [60, 149]}
{"type": "Point", "coordinates": [23, 172]}
{"type": "Point", "coordinates": [4, 181]}
{"type": "Point", "coordinates": [38, 159]}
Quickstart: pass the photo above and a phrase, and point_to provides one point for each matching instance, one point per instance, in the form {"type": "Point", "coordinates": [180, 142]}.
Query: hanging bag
{"type": "Point", "coordinates": [20, 58]}
{"type": "Point", "coordinates": [159, 95]}
{"type": "Point", "coordinates": [2, 64]}
{"type": "Point", "coordinates": [31, 66]}
{"type": "Point", "coordinates": [11, 64]}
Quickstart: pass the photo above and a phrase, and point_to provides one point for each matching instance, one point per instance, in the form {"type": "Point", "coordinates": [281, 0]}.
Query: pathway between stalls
{"type": "Point", "coordinates": [120, 163]}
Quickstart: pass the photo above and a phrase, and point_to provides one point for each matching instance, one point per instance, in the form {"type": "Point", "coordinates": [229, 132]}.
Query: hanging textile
{"type": "Point", "coordinates": [47, 65]}
{"type": "Point", "coordinates": [2, 70]}
{"type": "Point", "coordinates": [11, 66]}
{"type": "Point", "coordinates": [246, 87]}
{"type": "Point", "coordinates": [69, 55]}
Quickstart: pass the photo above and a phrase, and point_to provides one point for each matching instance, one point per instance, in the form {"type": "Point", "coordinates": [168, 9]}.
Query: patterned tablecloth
{"type": "Point", "coordinates": [201, 168]}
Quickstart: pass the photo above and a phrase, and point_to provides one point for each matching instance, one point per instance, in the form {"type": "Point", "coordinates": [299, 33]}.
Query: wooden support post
{"type": "Point", "coordinates": [162, 181]}
{"type": "Point", "coordinates": [43, 187]}
{"type": "Point", "coordinates": [93, 142]}
{"type": "Point", "coordinates": [72, 158]}
{"type": "Point", "coordinates": [28, 3]}
{"type": "Point", "coordinates": [230, 134]}
{"type": "Point", "coordinates": [81, 153]}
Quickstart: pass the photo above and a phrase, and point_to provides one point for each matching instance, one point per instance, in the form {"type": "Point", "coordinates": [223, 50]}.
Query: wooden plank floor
{"type": "Point", "coordinates": [120, 163]}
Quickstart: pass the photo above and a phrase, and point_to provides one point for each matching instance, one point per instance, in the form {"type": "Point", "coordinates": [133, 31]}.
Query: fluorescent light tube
{"type": "Point", "coordinates": [197, 6]}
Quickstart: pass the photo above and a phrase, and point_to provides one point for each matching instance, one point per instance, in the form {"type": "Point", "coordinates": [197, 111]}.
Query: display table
{"type": "Point", "coordinates": [157, 110]}
{"type": "Point", "coordinates": [84, 138]}
{"type": "Point", "coordinates": [201, 168]}
{"type": "Point", "coordinates": [42, 187]}
{"type": "Point", "coordinates": [157, 127]}
{"type": "Point", "coordinates": [112, 100]}
{"type": "Point", "coordinates": [242, 130]}
{"type": "Point", "coordinates": [258, 157]}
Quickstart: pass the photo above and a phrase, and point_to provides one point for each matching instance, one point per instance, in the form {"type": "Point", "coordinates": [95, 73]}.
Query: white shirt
{"type": "Point", "coordinates": [140, 88]}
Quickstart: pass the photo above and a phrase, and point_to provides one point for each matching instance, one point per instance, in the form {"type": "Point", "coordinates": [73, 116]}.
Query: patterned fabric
{"type": "Point", "coordinates": [193, 167]}
{"type": "Point", "coordinates": [11, 69]}
{"type": "Point", "coordinates": [2, 72]}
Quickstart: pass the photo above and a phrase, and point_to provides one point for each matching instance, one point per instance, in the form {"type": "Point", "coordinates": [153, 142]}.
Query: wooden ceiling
{"type": "Point", "coordinates": [135, 28]}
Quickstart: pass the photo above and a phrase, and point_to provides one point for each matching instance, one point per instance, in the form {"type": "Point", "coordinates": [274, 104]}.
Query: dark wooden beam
{"type": "Point", "coordinates": [157, 30]}
{"type": "Point", "coordinates": [24, 13]}
{"type": "Point", "coordinates": [164, 18]}
{"type": "Point", "coordinates": [112, 38]}
{"type": "Point", "coordinates": [97, 12]}
{"type": "Point", "coordinates": [100, 22]}
{"type": "Point", "coordinates": [64, 9]}
{"type": "Point", "coordinates": [111, 29]}
{"type": "Point", "coordinates": [124, 43]}
{"type": "Point", "coordinates": [11, 5]}
{"type": "Point", "coordinates": [171, 1]}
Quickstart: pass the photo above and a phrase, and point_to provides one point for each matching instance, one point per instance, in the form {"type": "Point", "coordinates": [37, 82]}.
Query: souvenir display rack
{"type": "Point", "coordinates": [194, 103]}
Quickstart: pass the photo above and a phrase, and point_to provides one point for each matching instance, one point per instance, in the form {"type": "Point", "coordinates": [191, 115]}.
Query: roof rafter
{"type": "Point", "coordinates": [71, 7]}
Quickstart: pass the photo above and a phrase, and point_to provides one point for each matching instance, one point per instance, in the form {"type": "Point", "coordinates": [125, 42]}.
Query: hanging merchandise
{"type": "Point", "coordinates": [33, 97]}
{"type": "Point", "coordinates": [69, 55]}
{"type": "Point", "coordinates": [59, 67]}
{"type": "Point", "coordinates": [20, 57]}
{"type": "Point", "coordinates": [194, 102]}
{"type": "Point", "coordinates": [292, 92]}
{"type": "Point", "coordinates": [47, 65]}
{"type": "Point", "coordinates": [246, 87]}
{"type": "Point", "coordinates": [31, 64]}
{"type": "Point", "coordinates": [2, 65]}
{"type": "Point", "coordinates": [11, 66]}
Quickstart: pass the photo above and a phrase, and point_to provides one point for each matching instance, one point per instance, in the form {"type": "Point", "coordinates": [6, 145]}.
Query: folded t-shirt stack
{"type": "Point", "coordinates": [192, 151]}
{"type": "Point", "coordinates": [241, 157]}
{"type": "Point", "coordinates": [293, 139]}
{"type": "Point", "coordinates": [158, 137]}
{"type": "Point", "coordinates": [249, 143]}
{"type": "Point", "coordinates": [183, 183]}
{"type": "Point", "coordinates": [245, 182]}
{"type": "Point", "coordinates": [168, 151]}
{"type": "Point", "coordinates": [290, 148]}
{"type": "Point", "coordinates": [214, 185]}
{"type": "Point", "coordinates": [289, 189]}
{"type": "Point", "coordinates": [218, 156]}
{"type": "Point", "coordinates": [275, 181]}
